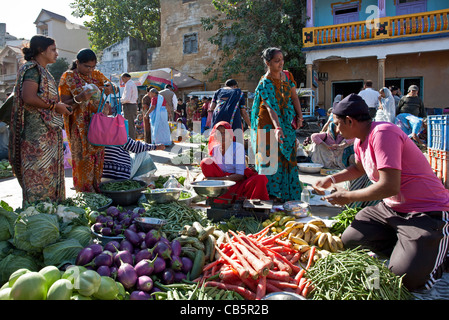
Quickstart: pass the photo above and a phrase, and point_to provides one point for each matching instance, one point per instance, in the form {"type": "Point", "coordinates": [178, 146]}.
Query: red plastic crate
{"type": "Point", "coordinates": [438, 160]}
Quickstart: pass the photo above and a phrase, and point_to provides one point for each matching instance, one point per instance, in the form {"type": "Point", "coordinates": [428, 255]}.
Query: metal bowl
{"type": "Point", "coordinates": [298, 209]}
{"type": "Point", "coordinates": [284, 295]}
{"type": "Point", "coordinates": [186, 201]}
{"type": "Point", "coordinates": [105, 239]}
{"type": "Point", "coordinates": [163, 195]}
{"type": "Point", "coordinates": [212, 188]}
{"type": "Point", "coordinates": [125, 197]}
{"type": "Point", "coordinates": [147, 223]}
{"type": "Point", "coordinates": [310, 167]}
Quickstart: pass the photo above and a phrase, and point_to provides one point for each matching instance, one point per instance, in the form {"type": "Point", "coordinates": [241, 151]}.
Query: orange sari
{"type": "Point", "coordinates": [87, 159]}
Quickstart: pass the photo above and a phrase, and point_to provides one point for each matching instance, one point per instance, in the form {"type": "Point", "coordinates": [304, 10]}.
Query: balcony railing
{"type": "Point", "coordinates": [424, 23]}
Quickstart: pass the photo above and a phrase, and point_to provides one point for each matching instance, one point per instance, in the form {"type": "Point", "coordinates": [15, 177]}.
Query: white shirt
{"type": "Point", "coordinates": [370, 96]}
{"type": "Point", "coordinates": [130, 94]}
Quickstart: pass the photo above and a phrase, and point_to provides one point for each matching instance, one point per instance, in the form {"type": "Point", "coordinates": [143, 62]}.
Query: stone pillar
{"type": "Point", "coordinates": [309, 75]}
{"type": "Point", "coordinates": [380, 72]}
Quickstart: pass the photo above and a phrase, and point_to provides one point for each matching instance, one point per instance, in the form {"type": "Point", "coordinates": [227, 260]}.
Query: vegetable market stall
{"type": "Point", "coordinates": [189, 257]}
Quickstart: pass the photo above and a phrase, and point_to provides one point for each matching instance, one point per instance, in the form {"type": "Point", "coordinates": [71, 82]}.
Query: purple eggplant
{"type": "Point", "coordinates": [106, 231]}
{"type": "Point", "coordinates": [159, 264]}
{"type": "Point", "coordinates": [168, 276]}
{"type": "Point", "coordinates": [97, 227]}
{"type": "Point", "coordinates": [112, 246]}
{"type": "Point", "coordinates": [123, 256]}
{"type": "Point", "coordinates": [122, 215]}
{"type": "Point", "coordinates": [179, 276]}
{"type": "Point", "coordinates": [163, 249]}
{"type": "Point", "coordinates": [146, 267]}
{"type": "Point", "coordinates": [126, 245]}
{"type": "Point", "coordinates": [97, 248]}
{"type": "Point", "coordinates": [101, 219]}
{"type": "Point", "coordinates": [104, 259]}
{"type": "Point", "coordinates": [112, 211]}
{"type": "Point", "coordinates": [126, 275]}
{"type": "Point", "coordinates": [176, 247]}
{"type": "Point", "coordinates": [152, 237]}
{"type": "Point", "coordinates": [143, 254]}
{"type": "Point", "coordinates": [140, 295]}
{"type": "Point", "coordinates": [176, 263]}
{"type": "Point", "coordinates": [84, 257]}
{"type": "Point", "coordinates": [113, 270]}
{"type": "Point", "coordinates": [133, 227]}
{"type": "Point", "coordinates": [144, 283]}
{"type": "Point", "coordinates": [187, 264]}
{"type": "Point", "coordinates": [141, 211]}
{"type": "Point", "coordinates": [104, 271]}
{"type": "Point", "coordinates": [126, 222]}
{"type": "Point", "coordinates": [132, 237]}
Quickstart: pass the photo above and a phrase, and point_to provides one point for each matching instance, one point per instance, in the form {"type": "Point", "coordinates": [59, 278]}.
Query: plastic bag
{"type": "Point", "coordinates": [172, 182]}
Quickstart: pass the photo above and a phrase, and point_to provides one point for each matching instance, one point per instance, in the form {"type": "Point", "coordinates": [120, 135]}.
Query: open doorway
{"type": "Point", "coordinates": [346, 87]}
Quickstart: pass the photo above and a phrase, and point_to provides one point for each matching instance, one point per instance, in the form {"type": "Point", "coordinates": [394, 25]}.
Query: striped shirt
{"type": "Point", "coordinates": [117, 160]}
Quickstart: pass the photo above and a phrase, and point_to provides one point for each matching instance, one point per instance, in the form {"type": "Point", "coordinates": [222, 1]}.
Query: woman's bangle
{"type": "Point", "coordinates": [74, 99]}
{"type": "Point", "coordinates": [333, 180]}
{"type": "Point", "coordinates": [52, 106]}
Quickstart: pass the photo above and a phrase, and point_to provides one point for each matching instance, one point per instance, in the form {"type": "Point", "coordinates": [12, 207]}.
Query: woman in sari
{"type": "Point", "coordinates": [228, 104]}
{"type": "Point", "coordinates": [387, 108]}
{"type": "Point", "coordinates": [87, 159]}
{"type": "Point", "coordinates": [273, 137]}
{"type": "Point", "coordinates": [36, 149]}
{"type": "Point", "coordinates": [160, 129]}
{"type": "Point", "coordinates": [227, 162]}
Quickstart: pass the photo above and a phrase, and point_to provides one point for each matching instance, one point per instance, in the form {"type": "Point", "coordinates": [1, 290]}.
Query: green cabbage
{"type": "Point", "coordinates": [5, 249]}
{"type": "Point", "coordinates": [11, 217]}
{"type": "Point", "coordinates": [81, 233]}
{"type": "Point", "coordinates": [4, 229]}
{"type": "Point", "coordinates": [63, 252]}
{"type": "Point", "coordinates": [33, 233]}
{"type": "Point", "coordinates": [15, 261]}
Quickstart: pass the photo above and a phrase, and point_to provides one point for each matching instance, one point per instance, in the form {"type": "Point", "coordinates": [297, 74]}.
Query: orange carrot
{"type": "Point", "coordinates": [260, 267]}
{"type": "Point", "coordinates": [272, 288]}
{"type": "Point", "coordinates": [253, 249]}
{"type": "Point", "coordinates": [261, 288]}
{"type": "Point", "coordinates": [311, 254]}
{"type": "Point", "coordinates": [282, 284]}
{"type": "Point", "coordinates": [278, 275]}
{"type": "Point", "coordinates": [243, 258]}
{"type": "Point", "coordinates": [295, 257]}
{"type": "Point", "coordinates": [242, 272]}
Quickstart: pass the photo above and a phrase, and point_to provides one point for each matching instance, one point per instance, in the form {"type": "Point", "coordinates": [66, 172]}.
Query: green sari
{"type": "Point", "coordinates": [36, 145]}
{"type": "Point", "coordinates": [278, 164]}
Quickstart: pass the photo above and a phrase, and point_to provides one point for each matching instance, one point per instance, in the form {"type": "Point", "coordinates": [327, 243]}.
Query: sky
{"type": "Point", "coordinates": [19, 15]}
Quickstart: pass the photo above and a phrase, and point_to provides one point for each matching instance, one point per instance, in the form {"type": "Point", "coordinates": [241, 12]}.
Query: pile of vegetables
{"type": "Point", "coordinates": [137, 261]}
{"type": "Point", "coordinates": [114, 221]}
{"type": "Point", "coordinates": [5, 169]}
{"type": "Point", "coordinates": [42, 234]}
{"type": "Point", "coordinates": [161, 180]}
{"type": "Point", "coordinates": [254, 265]}
{"type": "Point", "coordinates": [277, 220]}
{"type": "Point", "coordinates": [89, 200]}
{"type": "Point", "coordinates": [49, 283]}
{"type": "Point", "coordinates": [193, 291]}
{"type": "Point", "coordinates": [344, 219]}
{"type": "Point", "coordinates": [190, 155]}
{"type": "Point", "coordinates": [354, 275]}
{"type": "Point", "coordinates": [124, 185]}
{"type": "Point", "coordinates": [176, 214]}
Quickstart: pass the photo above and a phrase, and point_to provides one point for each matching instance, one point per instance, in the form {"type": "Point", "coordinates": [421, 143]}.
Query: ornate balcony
{"type": "Point", "coordinates": [424, 23]}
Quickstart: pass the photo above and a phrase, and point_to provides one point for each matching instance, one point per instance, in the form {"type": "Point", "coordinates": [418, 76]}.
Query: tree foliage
{"type": "Point", "coordinates": [114, 20]}
{"type": "Point", "coordinates": [58, 68]}
{"type": "Point", "coordinates": [243, 28]}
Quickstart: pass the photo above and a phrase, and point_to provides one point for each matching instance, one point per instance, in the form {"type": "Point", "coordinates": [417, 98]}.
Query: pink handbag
{"type": "Point", "coordinates": [107, 130]}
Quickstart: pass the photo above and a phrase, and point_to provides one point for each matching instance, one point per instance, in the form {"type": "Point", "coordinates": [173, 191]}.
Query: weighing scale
{"type": "Point", "coordinates": [260, 209]}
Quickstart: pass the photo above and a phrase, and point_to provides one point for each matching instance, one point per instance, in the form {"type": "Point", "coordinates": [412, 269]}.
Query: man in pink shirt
{"type": "Point", "coordinates": [410, 225]}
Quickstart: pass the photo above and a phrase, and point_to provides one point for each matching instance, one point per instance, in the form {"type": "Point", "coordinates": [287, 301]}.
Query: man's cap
{"type": "Point", "coordinates": [413, 87]}
{"type": "Point", "coordinates": [351, 105]}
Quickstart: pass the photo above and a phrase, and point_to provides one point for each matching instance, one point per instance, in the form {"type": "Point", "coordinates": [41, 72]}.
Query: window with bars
{"type": "Point", "coordinates": [190, 43]}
